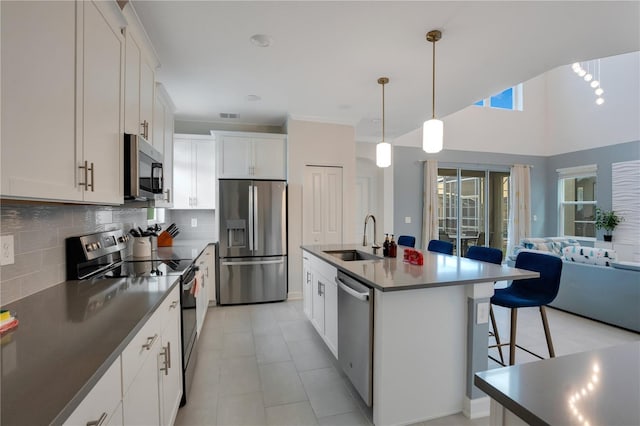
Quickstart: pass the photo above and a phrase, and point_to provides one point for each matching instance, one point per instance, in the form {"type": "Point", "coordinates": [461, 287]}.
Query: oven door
{"type": "Point", "coordinates": [188, 309]}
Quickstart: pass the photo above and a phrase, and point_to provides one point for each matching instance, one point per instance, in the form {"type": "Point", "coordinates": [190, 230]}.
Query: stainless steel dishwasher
{"type": "Point", "coordinates": [355, 334]}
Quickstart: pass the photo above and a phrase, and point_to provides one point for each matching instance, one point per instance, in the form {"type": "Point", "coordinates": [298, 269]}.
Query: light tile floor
{"type": "Point", "coordinates": [266, 365]}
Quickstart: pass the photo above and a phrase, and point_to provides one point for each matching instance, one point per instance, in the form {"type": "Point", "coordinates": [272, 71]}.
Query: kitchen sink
{"type": "Point", "coordinates": [351, 255]}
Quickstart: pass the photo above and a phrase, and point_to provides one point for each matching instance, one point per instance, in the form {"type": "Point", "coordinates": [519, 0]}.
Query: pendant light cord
{"type": "Point", "coordinates": [383, 113]}
{"type": "Point", "coordinates": [433, 82]}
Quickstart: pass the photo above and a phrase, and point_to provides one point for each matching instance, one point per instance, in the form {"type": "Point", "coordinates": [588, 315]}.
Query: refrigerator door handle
{"type": "Point", "coordinates": [252, 262]}
{"type": "Point", "coordinates": [251, 213]}
{"type": "Point", "coordinates": [255, 218]}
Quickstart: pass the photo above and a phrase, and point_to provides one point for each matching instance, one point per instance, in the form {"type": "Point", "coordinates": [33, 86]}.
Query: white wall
{"type": "Point", "coordinates": [559, 115]}
{"type": "Point", "coordinates": [481, 129]}
{"type": "Point", "coordinates": [576, 123]}
{"type": "Point", "coordinates": [323, 144]}
{"type": "Point", "coordinates": [366, 167]}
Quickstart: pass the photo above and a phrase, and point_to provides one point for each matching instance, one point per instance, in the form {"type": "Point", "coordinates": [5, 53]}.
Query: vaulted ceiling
{"type": "Point", "coordinates": [325, 57]}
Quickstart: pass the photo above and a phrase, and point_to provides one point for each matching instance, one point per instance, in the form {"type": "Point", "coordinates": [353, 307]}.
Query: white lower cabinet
{"type": "Point", "coordinates": [331, 315]}
{"type": "Point", "coordinates": [307, 281]}
{"type": "Point", "coordinates": [141, 402]}
{"type": "Point", "coordinates": [170, 359]}
{"type": "Point", "coordinates": [102, 404]}
{"type": "Point", "coordinates": [144, 385]}
{"type": "Point", "coordinates": [152, 368]}
{"type": "Point", "coordinates": [207, 279]}
{"type": "Point", "coordinates": [320, 293]}
{"type": "Point", "coordinates": [210, 272]}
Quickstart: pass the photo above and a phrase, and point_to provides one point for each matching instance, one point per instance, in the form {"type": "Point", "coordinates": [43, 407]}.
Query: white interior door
{"type": "Point", "coordinates": [322, 210]}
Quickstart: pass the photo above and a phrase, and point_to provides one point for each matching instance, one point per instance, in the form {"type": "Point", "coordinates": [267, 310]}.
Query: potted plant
{"type": "Point", "coordinates": [607, 220]}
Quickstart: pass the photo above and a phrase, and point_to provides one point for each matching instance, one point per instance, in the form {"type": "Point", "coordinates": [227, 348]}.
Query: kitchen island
{"type": "Point", "coordinates": [430, 328]}
{"type": "Point", "coordinates": [600, 387]}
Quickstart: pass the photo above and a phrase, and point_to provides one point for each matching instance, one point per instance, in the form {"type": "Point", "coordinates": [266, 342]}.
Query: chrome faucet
{"type": "Point", "coordinates": [375, 245]}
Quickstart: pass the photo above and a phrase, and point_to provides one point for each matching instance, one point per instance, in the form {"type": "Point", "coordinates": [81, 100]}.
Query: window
{"type": "Point", "coordinates": [577, 201]}
{"type": "Point", "coordinates": [473, 208]}
{"type": "Point", "coordinates": [510, 98]}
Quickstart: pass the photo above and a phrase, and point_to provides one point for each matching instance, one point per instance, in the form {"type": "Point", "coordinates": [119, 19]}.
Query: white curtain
{"type": "Point", "coordinates": [430, 203]}
{"type": "Point", "coordinates": [520, 206]}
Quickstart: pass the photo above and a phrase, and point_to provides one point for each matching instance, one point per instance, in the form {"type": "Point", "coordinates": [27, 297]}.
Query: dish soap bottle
{"type": "Point", "coordinates": [393, 248]}
{"type": "Point", "coordinates": [385, 246]}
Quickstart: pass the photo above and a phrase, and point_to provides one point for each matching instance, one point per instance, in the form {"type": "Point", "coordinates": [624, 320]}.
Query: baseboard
{"type": "Point", "coordinates": [476, 408]}
{"type": "Point", "coordinates": [294, 295]}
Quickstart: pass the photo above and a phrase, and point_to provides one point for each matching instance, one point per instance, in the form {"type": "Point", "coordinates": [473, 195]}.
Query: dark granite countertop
{"type": "Point", "coordinates": [390, 274]}
{"type": "Point", "coordinates": [68, 336]}
{"type": "Point", "coordinates": [600, 387]}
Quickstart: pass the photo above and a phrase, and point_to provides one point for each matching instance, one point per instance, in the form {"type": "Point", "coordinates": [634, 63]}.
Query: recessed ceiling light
{"type": "Point", "coordinates": [261, 40]}
{"type": "Point", "coordinates": [253, 98]}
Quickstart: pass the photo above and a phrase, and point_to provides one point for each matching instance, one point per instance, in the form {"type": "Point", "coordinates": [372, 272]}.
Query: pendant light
{"type": "Point", "coordinates": [383, 149]}
{"type": "Point", "coordinates": [433, 129]}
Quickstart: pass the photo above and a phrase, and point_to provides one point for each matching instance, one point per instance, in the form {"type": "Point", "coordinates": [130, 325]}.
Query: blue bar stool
{"type": "Point", "coordinates": [440, 246]}
{"type": "Point", "coordinates": [528, 293]}
{"type": "Point", "coordinates": [407, 241]}
{"type": "Point", "coordinates": [491, 255]}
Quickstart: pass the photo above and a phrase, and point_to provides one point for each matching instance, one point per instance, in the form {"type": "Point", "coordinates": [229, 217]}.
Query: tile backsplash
{"type": "Point", "coordinates": [205, 224]}
{"type": "Point", "coordinates": [39, 233]}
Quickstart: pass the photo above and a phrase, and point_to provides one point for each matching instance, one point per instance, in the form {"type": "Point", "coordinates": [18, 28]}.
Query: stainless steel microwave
{"type": "Point", "coordinates": [143, 175]}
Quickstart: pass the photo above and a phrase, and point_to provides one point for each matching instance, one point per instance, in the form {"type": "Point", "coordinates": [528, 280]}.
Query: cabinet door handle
{"type": "Point", "coordinates": [91, 169]}
{"type": "Point", "coordinates": [150, 342]}
{"type": "Point", "coordinates": [320, 289]}
{"type": "Point", "coordinates": [168, 192]}
{"type": "Point", "coordinates": [86, 175]}
{"type": "Point", "coordinates": [308, 278]}
{"type": "Point", "coordinates": [98, 422]}
{"type": "Point", "coordinates": [145, 129]}
{"type": "Point", "coordinates": [166, 353]}
{"type": "Point", "coordinates": [173, 304]}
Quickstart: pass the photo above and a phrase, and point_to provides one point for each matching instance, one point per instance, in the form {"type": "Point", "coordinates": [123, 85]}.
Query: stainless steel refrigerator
{"type": "Point", "coordinates": [252, 259]}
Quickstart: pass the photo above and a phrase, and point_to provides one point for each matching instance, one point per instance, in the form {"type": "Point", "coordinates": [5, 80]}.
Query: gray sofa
{"type": "Point", "coordinates": [602, 293]}
{"type": "Point", "coordinates": [610, 294]}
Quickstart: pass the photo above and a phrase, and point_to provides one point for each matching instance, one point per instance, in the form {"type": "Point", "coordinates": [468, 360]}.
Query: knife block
{"type": "Point", "coordinates": [165, 240]}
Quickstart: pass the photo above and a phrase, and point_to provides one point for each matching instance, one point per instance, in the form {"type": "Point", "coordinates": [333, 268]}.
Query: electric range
{"type": "Point", "coordinates": [95, 257]}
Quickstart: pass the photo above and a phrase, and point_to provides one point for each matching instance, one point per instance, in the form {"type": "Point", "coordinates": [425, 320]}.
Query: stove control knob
{"type": "Point", "coordinates": [121, 239]}
{"type": "Point", "coordinates": [98, 244]}
{"type": "Point", "coordinates": [88, 247]}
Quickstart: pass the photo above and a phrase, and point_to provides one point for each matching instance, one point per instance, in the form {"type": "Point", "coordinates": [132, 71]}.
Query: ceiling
{"type": "Point", "coordinates": [325, 57]}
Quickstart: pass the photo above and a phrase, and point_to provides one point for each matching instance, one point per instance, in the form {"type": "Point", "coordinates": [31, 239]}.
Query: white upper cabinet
{"type": "Point", "coordinates": [252, 155]}
{"type": "Point", "coordinates": [194, 172]}
{"type": "Point", "coordinates": [61, 101]}
{"type": "Point", "coordinates": [102, 138]}
{"type": "Point", "coordinates": [163, 136]}
{"type": "Point", "coordinates": [140, 65]}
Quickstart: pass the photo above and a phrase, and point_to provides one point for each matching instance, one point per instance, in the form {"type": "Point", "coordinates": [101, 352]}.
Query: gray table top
{"type": "Point", "coordinates": [390, 274]}
{"type": "Point", "coordinates": [600, 387]}
{"type": "Point", "coordinates": [68, 336]}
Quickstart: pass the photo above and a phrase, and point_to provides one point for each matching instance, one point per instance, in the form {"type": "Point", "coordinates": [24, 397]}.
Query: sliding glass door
{"type": "Point", "coordinates": [473, 208]}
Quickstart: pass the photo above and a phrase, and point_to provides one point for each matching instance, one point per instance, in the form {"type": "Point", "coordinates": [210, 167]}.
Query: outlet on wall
{"type": "Point", "coordinates": [6, 250]}
{"type": "Point", "coordinates": [194, 222]}
{"type": "Point", "coordinates": [482, 315]}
